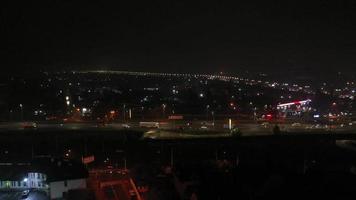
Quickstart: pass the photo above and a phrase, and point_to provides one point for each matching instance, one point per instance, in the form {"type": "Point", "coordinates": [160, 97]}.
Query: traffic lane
{"type": "Point", "coordinates": [34, 195]}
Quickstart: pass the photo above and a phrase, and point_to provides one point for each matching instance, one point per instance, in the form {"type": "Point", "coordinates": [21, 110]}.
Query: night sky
{"type": "Point", "coordinates": [177, 36]}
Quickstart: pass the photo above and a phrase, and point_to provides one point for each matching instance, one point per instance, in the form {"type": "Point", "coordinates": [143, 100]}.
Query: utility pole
{"type": "Point", "coordinates": [21, 107]}
{"type": "Point", "coordinates": [142, 109]}
{"type": "Point", "coordinates": [207, 112]}
{"type": "Point", "coordinates": [124, 112]}
{"type": "Point", "coordinates": [164, 110]}
{"type": "Point", "coordinates": [212, 113]}
{"type": "Point", "coordinates": [85, 147]}
{"type": "Point", "coordinates": [32, 151]}
{"type": "Point", "coordinates": [172, 157]}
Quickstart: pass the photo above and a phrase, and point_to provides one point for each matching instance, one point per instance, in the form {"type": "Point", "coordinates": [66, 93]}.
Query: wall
{"type": "Point", "coordinates": [57, 188]}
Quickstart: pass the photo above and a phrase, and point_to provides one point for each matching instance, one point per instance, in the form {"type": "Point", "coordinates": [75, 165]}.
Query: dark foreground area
{"type": "Point", "coordinates": [261, 167]}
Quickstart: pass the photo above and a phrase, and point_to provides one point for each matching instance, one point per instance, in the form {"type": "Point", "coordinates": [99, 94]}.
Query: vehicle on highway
{"type": "Point", "coordinates": [235, 131]}
{"type": "Point", "coordinates": [316, 127]}
{"type": "Point", "coordinates": [125, 126]}
{"type": "Point", "coordinates": [265, 124]}
{"type": "Point", "coordinates": [25, 194]}
{"type": "Point", "coordinates": [149, 124]}
{"type": "Point", "coordinates": [203, 128]}
{"type": "Point", "coordinates": [29, 125]}
{"type": "Point", "coordinates": [296, 125]}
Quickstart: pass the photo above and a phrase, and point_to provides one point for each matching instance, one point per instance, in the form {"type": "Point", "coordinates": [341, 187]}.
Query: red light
{"type": "Point", "coordinates": [269, 115]}
{"type": "Point", "coordinates": [296, 102]}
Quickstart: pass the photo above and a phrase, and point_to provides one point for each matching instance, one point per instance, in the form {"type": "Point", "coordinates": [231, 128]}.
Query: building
{"type": "Point", "coordinates": [56, 177]}
{"type": "Point", "coordinates": [294, 109]}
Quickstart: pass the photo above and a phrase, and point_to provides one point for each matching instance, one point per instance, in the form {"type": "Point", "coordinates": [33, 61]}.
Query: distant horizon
{"type": "Point", "coordinates": [253, 70]}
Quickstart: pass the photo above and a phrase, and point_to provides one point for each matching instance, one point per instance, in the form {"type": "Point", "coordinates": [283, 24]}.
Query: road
{"type": "Point", "coordinates": [182, 129]}
{"type": "Point", "coordinates": [16, 195]}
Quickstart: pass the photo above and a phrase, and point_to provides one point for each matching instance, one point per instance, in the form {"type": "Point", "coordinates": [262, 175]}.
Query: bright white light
{"type": "Point", "coordinates": [201, 95]}
{"type": "Point", "coordinates": [67, 98]}
{"type": "Point", "coordinates": [68, 102]}
{"type": "Point", "coordinates": [84, 110]}
{"type": "Point", "coordinates": [25, 180]}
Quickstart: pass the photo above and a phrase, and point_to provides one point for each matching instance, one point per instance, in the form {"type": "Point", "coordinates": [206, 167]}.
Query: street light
{"type": "Point", "coordinates": [142, 109]}
{"type": "Point", "coordinates": [21, 107]}
{"type": "Point", "coordinates": [212, 113]}
{"type": "Point", "coordinates": [207, 112]}
{"type": "Point", "coordinates": [230, 124]}
{"type": "Point", "coordinates": [124, 112]}
{"type": "Point", "coordinates": [164, 109]}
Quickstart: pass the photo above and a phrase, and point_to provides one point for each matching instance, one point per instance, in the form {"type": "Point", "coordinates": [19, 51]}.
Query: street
{"type": "Point", "coordinates": [17, 195]}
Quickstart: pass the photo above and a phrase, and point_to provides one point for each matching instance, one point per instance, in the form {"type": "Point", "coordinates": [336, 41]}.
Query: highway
{"type": "Point", "coordinates": [174, 130]}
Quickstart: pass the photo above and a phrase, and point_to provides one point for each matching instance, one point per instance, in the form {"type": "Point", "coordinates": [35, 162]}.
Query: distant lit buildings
{"type": "Point", "coordinates": [294, 109]}
{"type": "Point", "coordinates": [52, 176]}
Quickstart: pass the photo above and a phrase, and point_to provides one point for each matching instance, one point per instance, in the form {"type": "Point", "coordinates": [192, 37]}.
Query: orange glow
{"type": "Point", "coordinates": [112, 112]}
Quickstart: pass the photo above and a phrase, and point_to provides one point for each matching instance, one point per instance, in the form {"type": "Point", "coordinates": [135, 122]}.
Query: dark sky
{"type": "Point", "coordinates": [180, 36]}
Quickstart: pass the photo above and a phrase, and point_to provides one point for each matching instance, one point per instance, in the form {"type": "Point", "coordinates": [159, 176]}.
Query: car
{"type": "Point", "coordinates": [29, 125]}
{"type": "Point", "coordinates": [296, 125]}
{"type": "Point", "coordinates": [125, 126]}
{"type": "Point", "coordinates": [265, 124]}
{"type": "Point", "coordinates": [25, 194]}
{"type": "Point", "coordinates": [236, 131]}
